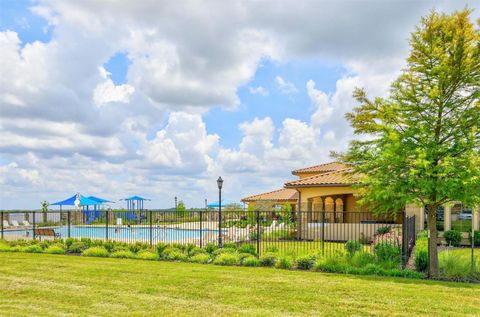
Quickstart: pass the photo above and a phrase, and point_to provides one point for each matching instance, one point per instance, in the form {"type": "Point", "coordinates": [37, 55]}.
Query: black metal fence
{"type": "Point", "coordinates": [319, 232]}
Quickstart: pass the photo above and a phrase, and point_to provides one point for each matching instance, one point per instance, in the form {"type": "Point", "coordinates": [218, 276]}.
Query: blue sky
{"type": "Point", "coordinates": [113, 99]}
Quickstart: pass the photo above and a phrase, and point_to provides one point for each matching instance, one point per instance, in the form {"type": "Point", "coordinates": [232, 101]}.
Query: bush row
{"type": "Point", "coordinates": [355, 261]}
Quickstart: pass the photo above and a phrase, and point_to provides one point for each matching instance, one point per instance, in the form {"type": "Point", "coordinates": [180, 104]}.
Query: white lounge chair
{"type": "Point", "coordinates": [119, 221]}
{"type": "Point", "coordinates": [15, 224]}
{"type": "Point", "coordinates": [6, 224]}
{"type": "Point", "coordinates": [26, 223]}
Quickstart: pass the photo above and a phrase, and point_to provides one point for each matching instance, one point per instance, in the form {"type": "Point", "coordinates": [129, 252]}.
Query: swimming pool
{"type": "Point", "coordinates": [158, 234]}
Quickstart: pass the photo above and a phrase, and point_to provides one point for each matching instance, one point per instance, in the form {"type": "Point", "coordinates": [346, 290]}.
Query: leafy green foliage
{"type": "Point", "coordinates": [421, 254]}
{"type": "Point", "coordinates": [55, 249]}
{"type": "Point", "coordinates": [251, 261]}
{"type": "Point", "coordinates": [453, 237]}
{"type": "Point", "coordinates": [147, 255]}
{"type": "Point", "coordinates": [33, 249]}
{"type": "Point", "coordinates": [227, 259]}
{"type": "Point", "coordinates": [305, 262]}
{"type": "Point", "coordinates": [200, 258]}
{"type": "Point", "coordinates": [421, 144]}
{"type": "Point", "coordinates": [268, 259]}
{"type": "Point", "coordinates": [387, 252]}
{"type": "Point", "coordinates": [284, 262]}
{"type": "Point", "coordinates": [248, 248]}
{"type": "Point", "coordinates": [353, 246]}
{"type": "Point", "coordinates": [77, 247]}
{"type": "Point", "coordinates": [476, 238]}
{"type": "Point", "coordinates": [96, 252]}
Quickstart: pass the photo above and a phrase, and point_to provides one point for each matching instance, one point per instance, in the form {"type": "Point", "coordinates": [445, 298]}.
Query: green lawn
{"type": "Point", "coordinates": [52, 285]}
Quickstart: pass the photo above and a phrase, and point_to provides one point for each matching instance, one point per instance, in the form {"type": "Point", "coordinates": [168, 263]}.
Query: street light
{"type": "Point", "coordinates": [220, 184]}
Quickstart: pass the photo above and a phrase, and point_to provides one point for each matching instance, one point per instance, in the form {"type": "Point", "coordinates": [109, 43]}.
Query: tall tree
{"type": "Point", "coordinates": [421, 144]}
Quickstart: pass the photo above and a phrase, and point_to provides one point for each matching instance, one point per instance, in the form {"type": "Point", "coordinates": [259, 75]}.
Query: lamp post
{"type": "Point", "coordinates": [220, 184]}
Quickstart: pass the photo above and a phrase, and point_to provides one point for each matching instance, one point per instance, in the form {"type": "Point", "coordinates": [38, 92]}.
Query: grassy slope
{"type": "Point", "coordinates": [42, 285]}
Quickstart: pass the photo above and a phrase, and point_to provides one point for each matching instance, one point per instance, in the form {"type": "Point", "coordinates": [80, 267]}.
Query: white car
{"type": "Point", "coordinates": [465, 216]}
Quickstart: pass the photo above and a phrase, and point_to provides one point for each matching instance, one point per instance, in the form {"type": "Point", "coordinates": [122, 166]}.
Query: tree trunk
{"type": "Point", "coordinates": [432, 242]}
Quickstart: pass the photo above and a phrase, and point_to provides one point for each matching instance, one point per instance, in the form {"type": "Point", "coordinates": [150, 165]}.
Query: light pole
{"type": "Point", "coordinates": [220, 184]}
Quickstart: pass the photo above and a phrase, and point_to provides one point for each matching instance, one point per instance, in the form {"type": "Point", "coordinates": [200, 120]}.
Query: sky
{"type": "Point", "coordinates": [159, 98]}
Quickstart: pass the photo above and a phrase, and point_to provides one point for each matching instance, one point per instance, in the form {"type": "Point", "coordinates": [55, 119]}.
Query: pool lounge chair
{"type": "Point", "coordinates": [15, 224]}
{"type": "Point", "coordinates": [6, 224]}
{"type": "Point", "coordinates": [119, 222]}
{"type": "Point", "coordinates": [26, 223]}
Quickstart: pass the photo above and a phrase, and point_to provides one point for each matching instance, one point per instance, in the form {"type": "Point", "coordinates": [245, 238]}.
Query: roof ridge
{"type": "Point", "coordinates": [320, 175]}
{"type": "Point", "coordinates": [270, 192]}
{"type": "Point", "coordinates": [318, 165]}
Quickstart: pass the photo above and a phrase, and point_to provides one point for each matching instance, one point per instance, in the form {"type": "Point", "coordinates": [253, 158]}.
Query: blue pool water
{"type": "Point", "coordinates": [159, 234]}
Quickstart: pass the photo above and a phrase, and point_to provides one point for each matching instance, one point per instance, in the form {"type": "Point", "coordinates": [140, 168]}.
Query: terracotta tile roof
{"type": "Point", "coordinates": [284, 194]}
{"type": "Point", "coordinates": [343, 177]}
{"type": "Point", "coordinates": [322, 168]}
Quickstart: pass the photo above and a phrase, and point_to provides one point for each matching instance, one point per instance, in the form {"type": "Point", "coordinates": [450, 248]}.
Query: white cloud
{"type": "Point", "coordinates": [284, 86]}
{"type": "Point", "coordinates": [109, 92]}
{"type": "Point", "coordinates": [184, 59]}
{"type": "Point", "coordinates": [260, 90]}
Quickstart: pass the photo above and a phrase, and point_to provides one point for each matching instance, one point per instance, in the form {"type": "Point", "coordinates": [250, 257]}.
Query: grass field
{"type": "Point", "coordinates": [52, 285]}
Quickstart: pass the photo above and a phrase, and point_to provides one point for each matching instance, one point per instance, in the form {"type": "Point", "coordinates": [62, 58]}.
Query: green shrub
{"type": "Point", "coordinates": [386, 252]}
{"type": "Point", "coordinates": [251, 261]}
{"type": "Point", "coordinates": [353, 246]}
{"type": "Point", "coordinates": [272, 248]}
{"type": "Point", "coordinates": [383, 230]}
{"type": "Point", "coordinates": [174, 254]}
{"type": "Point", "coordinates": [5, 248]}
{"type": "Point", "coordinates": [202, 258]}
{"type": "Point", "coordinates": [476, 239]}
{"type": "Point", "coordinates": [332, 265]}
{"type": "Point", "coordinates": [422, 234]}
{"type": "Point", "coordinates": [243, 256]}
{"type": "Point", "coordinates": [421, 254]}
{"type": "Point", "coordinates": [210, 248]}
{"type": "Point", "coordinates": [55, 249]}
{"type": "Point", "coordinates": [160, 247]}
{"type": "Point", "coordinates": [227, 259]}
{"type": "Point", "coordinates": [373, 269]}
{"type": "Point", "coordinates": [457, 266]}
{"type": "Point", "coordinates": [284, 262]}
{"type": "Point", "coordinates": [110, 245]}
{"type": "Point", "coordinates": [96, 251]}
{"type": "Point", "coordinates": [230, 245]}
{"type": "Point", "coordinates": [248, 248]}
{"type": "Point", "coordinates": [147, 255]}
{"type": "Point", "coordinates": [33, 249]}
{"type": "Point", "coordinates": [453, 237]}
{"type": "Point", "coordinates": [77, 247]}
{"type": "Point", "coordinates": [69, 241]}
{"type": "Point", "coordinates": [123, 254]}
{"type": "Point", "coordinates": [17, 248]}
{"type": "Point", "coordinates": [223, 250]}
{"type": "Point", "coordinates": [138, 246]}
{"type": "Point", "coordinates": [305, 262]}
{"type": "Point", "coordinates": [268, 259]}
{"type": "Point", "coordinates": [361, 259]}
{"type": "Point", "coordinates": [86, 241]}
{"type": "Point", "coordinates": [196, 251]}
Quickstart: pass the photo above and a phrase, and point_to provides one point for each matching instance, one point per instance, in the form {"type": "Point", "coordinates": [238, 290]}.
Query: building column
{"type": "Point", "coordinates": [447, 217]}
{"type": "Point", "coordinates": [475, 218]}
{"type": "Point", "coordinates": [421, 217]}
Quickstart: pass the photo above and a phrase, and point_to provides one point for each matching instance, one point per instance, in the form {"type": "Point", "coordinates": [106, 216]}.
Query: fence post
{"type": "Point", "coordinates": [323, 233]}
{"type": "Point", "coordinates": [201, 229]}
{"type": "Point", "coordinates": [34, 224]}
{"type": "Point", "coordinates": [106, 224]}
{"type": "Point", "coordinates": [2, 225]}
{"type": "Point", "coordinates": [151, 228]}
{"type": "Point", "coordinates": [69, 222]}
{"type": "Point", "coordinates": [258, 232]}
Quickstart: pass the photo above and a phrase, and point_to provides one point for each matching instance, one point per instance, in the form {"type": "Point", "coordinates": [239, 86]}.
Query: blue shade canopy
{"type": "Point", "coordinates": [135, 197]}
{"type": "Point", "coordinates": [99, 200]}
{"type": "Point", "coordinates": [84, 201]}
{"type": "Point", "coordinates": [225, 202]}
